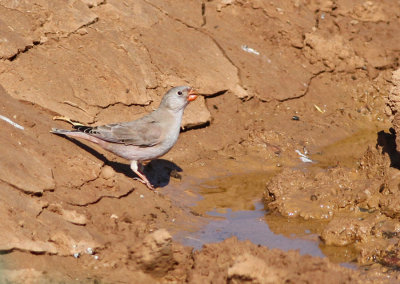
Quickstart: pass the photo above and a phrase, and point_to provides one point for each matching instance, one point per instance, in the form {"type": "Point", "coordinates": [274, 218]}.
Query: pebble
{"type": "Point", "coordinates": [295, 117]}
{"type": "Point", "coordinates": [107, 172]}
{"type": "Point", "coordinates": [89, 251]}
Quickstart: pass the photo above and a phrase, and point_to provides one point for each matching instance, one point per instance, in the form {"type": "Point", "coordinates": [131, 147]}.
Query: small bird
{"type": "Point", "coordinates": [146, 138]}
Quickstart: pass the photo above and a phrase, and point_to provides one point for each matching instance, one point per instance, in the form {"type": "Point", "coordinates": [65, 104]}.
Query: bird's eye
{"type": "Point", "coordinates": [180, 93]}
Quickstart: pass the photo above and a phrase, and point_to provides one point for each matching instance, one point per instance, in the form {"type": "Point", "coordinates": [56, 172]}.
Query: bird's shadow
{"type": "Point", "coordinates": [388, 143]}
{"type": "Point", "coordinates": [158, 171]}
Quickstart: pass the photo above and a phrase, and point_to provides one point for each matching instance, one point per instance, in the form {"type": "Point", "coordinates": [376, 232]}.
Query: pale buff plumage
{"type": "Point", "coordinates": [143, 139]}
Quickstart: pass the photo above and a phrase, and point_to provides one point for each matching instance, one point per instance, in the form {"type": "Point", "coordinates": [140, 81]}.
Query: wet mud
{"type": "Point", "coordinates": [286, 170]}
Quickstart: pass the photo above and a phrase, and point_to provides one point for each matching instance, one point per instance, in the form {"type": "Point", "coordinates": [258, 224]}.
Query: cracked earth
{"type": "Point", "coordinates": [317, 77]}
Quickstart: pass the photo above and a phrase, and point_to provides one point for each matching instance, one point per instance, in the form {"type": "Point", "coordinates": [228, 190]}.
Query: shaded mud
{"type": "Point", "coordinates": [295, 112]}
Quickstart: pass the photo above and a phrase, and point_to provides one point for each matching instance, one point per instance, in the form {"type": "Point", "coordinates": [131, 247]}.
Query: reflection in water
{"type": "Point", "coordinates": [231, 206]}
{"type": "Point", "coordinates": [345, 152]}
{"type": "Point", "coordinates": [233, 192]}
{"type": "Point", "coordinates": [247, 225]}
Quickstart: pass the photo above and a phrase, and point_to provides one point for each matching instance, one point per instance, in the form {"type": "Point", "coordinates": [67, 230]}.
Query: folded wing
{"type": "Point", "coordinates": [145, 132]}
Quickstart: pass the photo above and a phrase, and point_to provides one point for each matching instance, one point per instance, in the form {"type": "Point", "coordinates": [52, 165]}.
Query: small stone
{"type": "Point", "coordinates": [295, 117]}
{"type": "Point", "coordinates": [77, 254]}
{"type": "Point", "coordinates": [89, 251]}
{"type": "Point", "coordinates": [107, 172]}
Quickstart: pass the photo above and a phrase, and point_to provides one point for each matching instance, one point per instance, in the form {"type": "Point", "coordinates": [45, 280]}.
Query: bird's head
{"type": "Point", "coordinates": [178, 98]}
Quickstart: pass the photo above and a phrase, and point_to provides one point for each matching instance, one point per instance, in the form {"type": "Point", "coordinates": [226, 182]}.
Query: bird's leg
{"type": "Point", "coordinates": [142, 178]}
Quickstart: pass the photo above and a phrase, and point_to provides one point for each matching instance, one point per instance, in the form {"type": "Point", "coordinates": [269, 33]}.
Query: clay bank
{"type": "Point", "coordinates": [285, 170]}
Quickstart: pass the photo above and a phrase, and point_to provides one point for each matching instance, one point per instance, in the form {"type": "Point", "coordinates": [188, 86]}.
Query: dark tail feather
{"type": "Point", "coordinates": [77, 128]}
{"type": "Point", "coordinates": [60, 131]}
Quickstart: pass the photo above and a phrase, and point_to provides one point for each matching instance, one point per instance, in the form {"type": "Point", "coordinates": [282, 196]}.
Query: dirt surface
{"type": "Point", "coordinates": [297, 92]}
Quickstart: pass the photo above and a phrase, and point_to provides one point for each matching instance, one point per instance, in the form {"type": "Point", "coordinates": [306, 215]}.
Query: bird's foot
{"type": "Point", "coordinates": [137, 167]}
{"type": "Point", "coordinates": [146, 182]}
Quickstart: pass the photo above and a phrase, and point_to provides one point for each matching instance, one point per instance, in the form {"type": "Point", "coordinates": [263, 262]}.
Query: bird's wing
{"type": "Point", "coordinates": [144, 132]}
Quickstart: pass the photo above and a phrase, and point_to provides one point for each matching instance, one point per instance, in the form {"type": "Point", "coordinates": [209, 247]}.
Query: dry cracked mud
{"type": "Point", "coordinates": [300, 98]}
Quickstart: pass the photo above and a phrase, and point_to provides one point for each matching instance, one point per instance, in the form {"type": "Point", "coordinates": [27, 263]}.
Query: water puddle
{"type": "Point", "coordinates": [249, 225]}
{"type": "Point", "coordinates": [346, 152]}
{"type": "Point", "coordinates": [231, 206]}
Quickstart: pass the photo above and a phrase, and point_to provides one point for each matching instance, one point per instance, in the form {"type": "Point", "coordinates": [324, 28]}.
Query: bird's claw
{"type": "Point", "coordinates": [147, 183]}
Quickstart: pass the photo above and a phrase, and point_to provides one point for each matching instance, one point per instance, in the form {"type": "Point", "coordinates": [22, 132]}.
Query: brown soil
{"type": "Point", "coordinates": [279, 77]}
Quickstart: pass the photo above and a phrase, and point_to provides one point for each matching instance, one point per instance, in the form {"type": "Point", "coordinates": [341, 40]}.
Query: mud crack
{"type": "Point", "coordinates": [203, 14]}
{"type": "Point", "coordinates": [101, 197]}
{"type": "Point", "coordinates": [38, 42]}
{"type": "Point", "coordinates": [95, 20]}
{"type": "Point", "coordinates": [203, 11]}
{"type": "Point", "coordinates": [24, 50]}
{"type": "Point", "coordinates": [24, 191]}
{"type": "Point", "coordinates": [307, 87]}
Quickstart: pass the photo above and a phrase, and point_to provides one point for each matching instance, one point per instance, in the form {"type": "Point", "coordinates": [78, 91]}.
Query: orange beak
{"type": "Point", "coordinates": [192, 95]}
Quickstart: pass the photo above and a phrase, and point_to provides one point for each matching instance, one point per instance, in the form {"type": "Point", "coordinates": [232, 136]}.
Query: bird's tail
{"type": "Point", "coordinates": [78, 133]}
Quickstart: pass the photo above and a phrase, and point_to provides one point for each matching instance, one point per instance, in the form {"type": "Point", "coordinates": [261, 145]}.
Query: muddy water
{"type": "Point", "coordinates": [230, 205]}
{"type": "Point", "coordinates": [346, 152]}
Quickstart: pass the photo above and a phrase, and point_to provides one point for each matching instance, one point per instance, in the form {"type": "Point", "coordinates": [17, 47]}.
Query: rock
{"type": "Point", "coordinates": [335, 53]}
{"type": "Point", "coordinates": [249, 268]}
{"type": "Point", "coordinates": [343, 231]}
{"type": "Point", "coordinates": [154, 255]}
{"type": "Point", "coordinates": [196, 114]}
{"type": "Point", "coordinates": [17, 210]}
{"type": "Point", "coordinates": [107, 172]}
{"type": "Point", "coordinates": [69, 215]}
{"type": "Point", "coordinates": [68, 245]}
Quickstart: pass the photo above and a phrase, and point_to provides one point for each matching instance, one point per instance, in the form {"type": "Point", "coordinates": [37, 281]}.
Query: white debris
{"type": "Point", "coordinates": [16, 125]}
{"type": "Point", "coordinates": [96, 257]}
{"type": "Point", "coordinates": [113, 216]}
{"type": "Point", "coordinates": [304, 158]}
{"type": "Point", "coordinates": [250, 50]}
{"type": "Point", "coordinates": [89, 251]}
{"type": "Point", "coordinates": [77, 254]}
{"type": "Point", "coordinates": [141, 196]}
